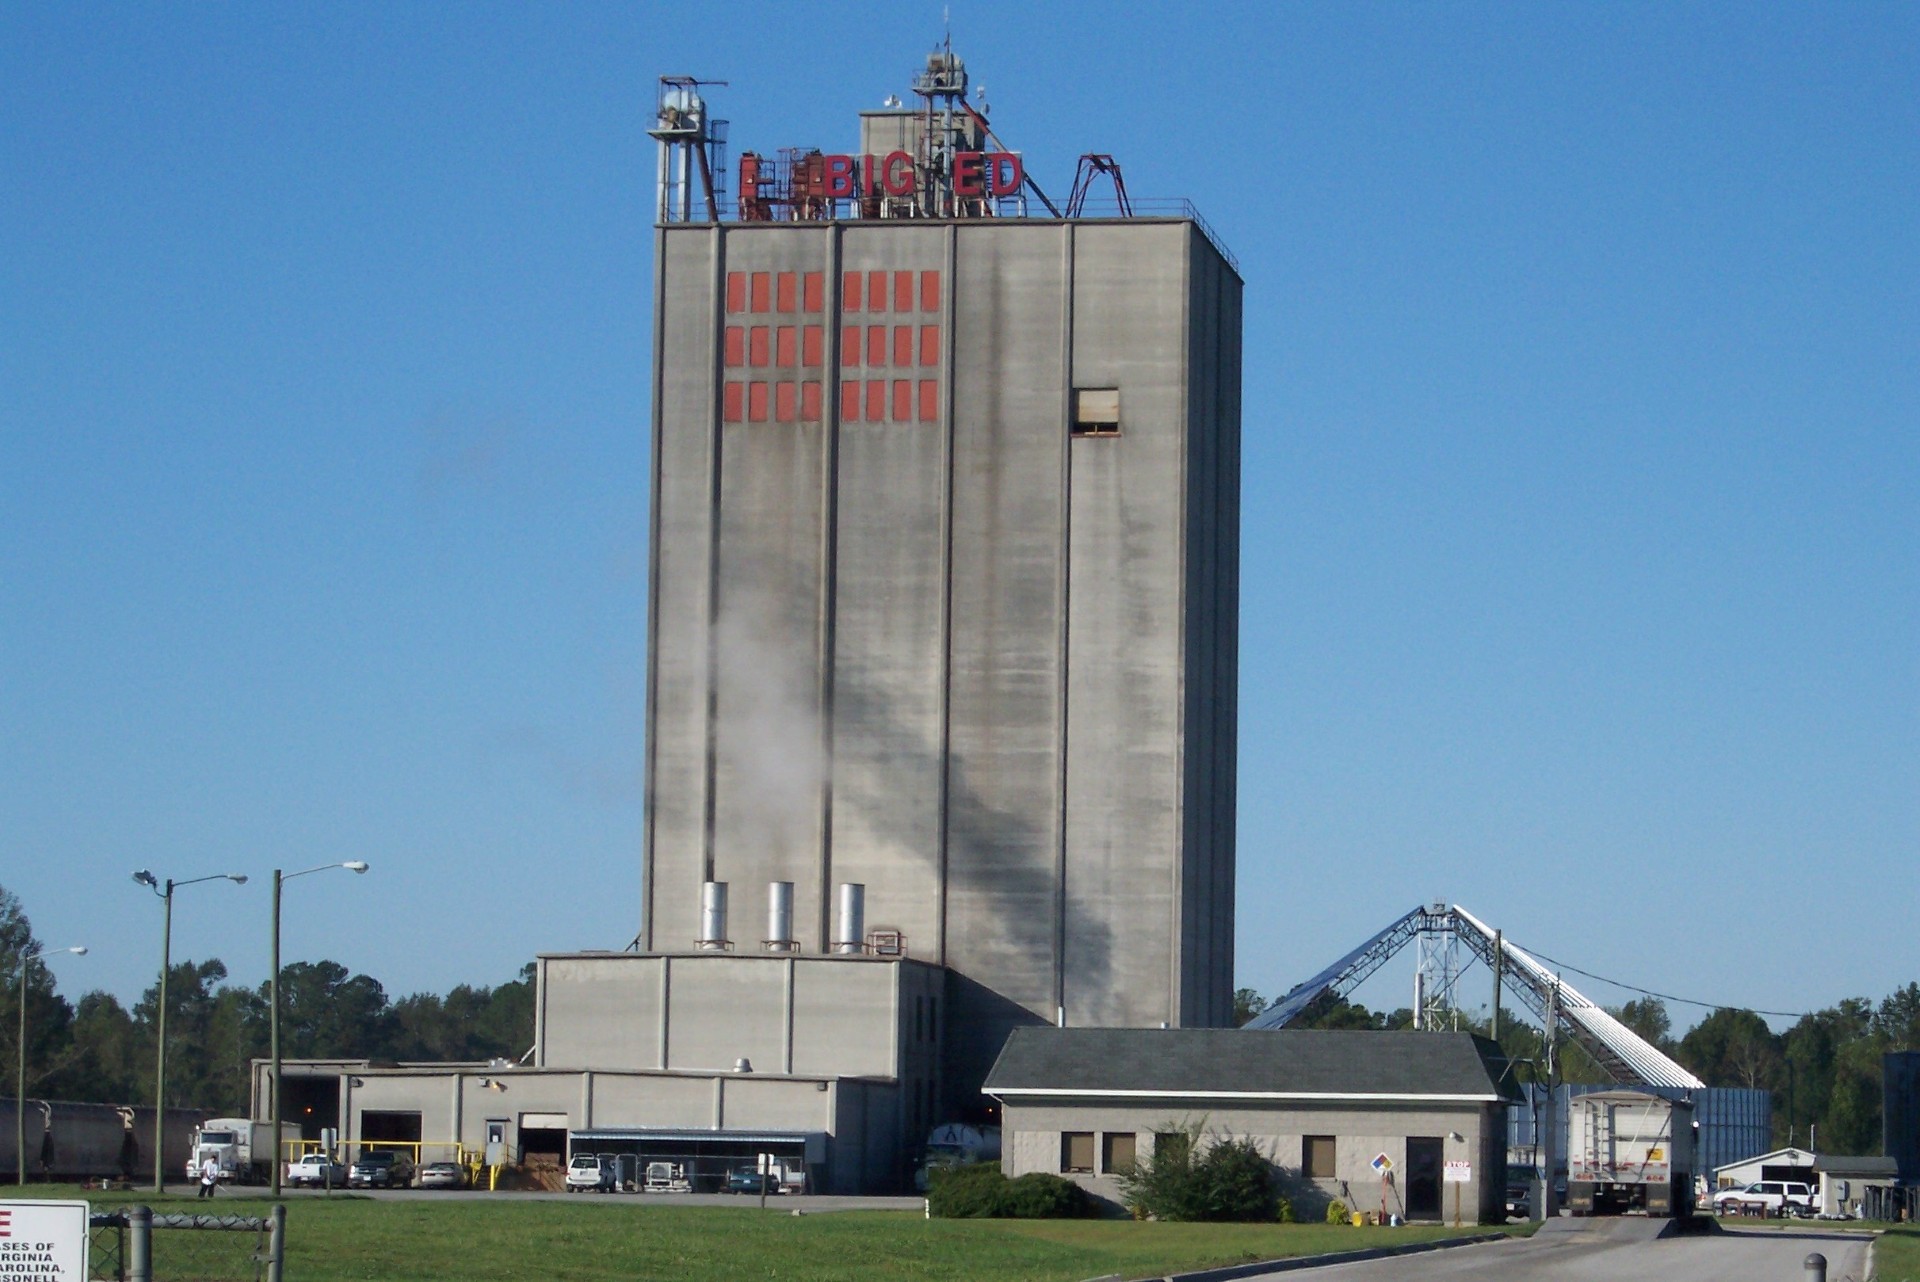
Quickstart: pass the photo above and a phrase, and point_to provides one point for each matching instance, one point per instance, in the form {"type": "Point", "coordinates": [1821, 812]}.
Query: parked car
{"type": "Point", "coordinates": [590, 1173]}
{"type": "Point", "coordinates": [316, 1170]}
{"type": "Point", "coordinates": [441, 1175]}
{"type": "Point", "coordinates": [381, 1169]}
{"type": "Point", "coordinates": [1519, 1201]}
{"type": "Point", "coordinates": [749, 1178]}
{"type": "Point", "coordinates": [1765, 1197]}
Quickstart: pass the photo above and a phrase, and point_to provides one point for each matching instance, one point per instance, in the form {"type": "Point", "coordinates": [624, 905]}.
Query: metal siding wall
{"type": "Point", "coordinates": [889, 614]}
{"type": "Point", "coordinates": [1123, 837]}
{"type": "Point", "coordinates": [677, 633]}
{"type": "Point", "coordinates": [769, 754]}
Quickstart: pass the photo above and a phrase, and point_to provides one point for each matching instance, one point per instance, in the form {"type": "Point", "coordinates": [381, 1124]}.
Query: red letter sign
{"type": "Point", "coordinates": [896, 174]}
{"type": "Point", "coordinates": [1004, 174]}
{"type": "Point", "coordinates": [839, 177]}
{"type": "Point", "coordinates": [967, 174]}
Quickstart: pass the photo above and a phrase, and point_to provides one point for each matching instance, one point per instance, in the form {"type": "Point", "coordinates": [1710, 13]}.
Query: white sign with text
{"type": "Point", "coordinates": [43, 1241]}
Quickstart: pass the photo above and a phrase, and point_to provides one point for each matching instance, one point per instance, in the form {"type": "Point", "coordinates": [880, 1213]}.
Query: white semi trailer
{"type": "Point", "coordinates": [1630, 1151]}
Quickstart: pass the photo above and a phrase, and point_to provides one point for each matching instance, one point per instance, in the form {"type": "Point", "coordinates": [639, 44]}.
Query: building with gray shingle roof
{"type": "Point", "coordinates": [1377, 1120]}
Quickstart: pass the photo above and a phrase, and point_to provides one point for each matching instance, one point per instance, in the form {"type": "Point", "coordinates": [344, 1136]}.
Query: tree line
{"type": "Point", "coordinates": [1824, 1070]}
{"type": "Point", "coordinates": [98, 1051]}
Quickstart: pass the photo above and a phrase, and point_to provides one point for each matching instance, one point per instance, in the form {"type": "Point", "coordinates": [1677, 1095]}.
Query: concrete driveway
{"type": "Point", "coordinates": [1616, 1250]}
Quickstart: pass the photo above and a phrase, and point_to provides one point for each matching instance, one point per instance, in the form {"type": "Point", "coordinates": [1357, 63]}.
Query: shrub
{"type": "Point", "coordinates": [979, 1191]}
{"type": "Point", "coordinates": [1232, 1180]}
{"type": "Point", "coordinates": [1336, 1212]}
{"type": "Point", "coordinates": [1285, 1213]}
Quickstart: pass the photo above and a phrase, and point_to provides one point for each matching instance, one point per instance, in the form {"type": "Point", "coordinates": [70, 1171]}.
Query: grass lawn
{"type": "Point", "coordinates": [1896, 1256]}
{"type": "Point", "coordinates": [629, 1238]}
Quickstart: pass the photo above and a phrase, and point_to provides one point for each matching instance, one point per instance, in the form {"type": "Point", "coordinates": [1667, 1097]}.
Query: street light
{"type": "Point", "coordinates": [147, 879]}
{"type": "Point", "coordinates": [20, 1091]}
{"type": "Point", "coordinates": [351, 865]}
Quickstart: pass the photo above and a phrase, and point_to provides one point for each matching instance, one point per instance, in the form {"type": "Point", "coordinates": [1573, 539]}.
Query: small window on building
{"type": "Point", "coordinates": [1116, 1151]}
{"type": "Point", "coordinates": [1316, 1157]}
{"type": "Point", "coordinates": [1076, 1152]}
{"type": "Point", "coordinates": [1096, 411]}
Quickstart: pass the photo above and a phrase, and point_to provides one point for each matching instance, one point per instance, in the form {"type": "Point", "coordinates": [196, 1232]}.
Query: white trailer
{"type": "Point", "coordinates": [1629, 1151]}
{"type": "Point", "coordinates": [242, 1149]}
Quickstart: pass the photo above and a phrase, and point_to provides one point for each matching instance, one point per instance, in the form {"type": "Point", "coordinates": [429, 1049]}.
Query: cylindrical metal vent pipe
{"type": "Point", "coordinates": [713, 914]}
{"type": "Point", "coordinates": [779, 915]}
{"type": "Point", "coordinates": [850, 932]}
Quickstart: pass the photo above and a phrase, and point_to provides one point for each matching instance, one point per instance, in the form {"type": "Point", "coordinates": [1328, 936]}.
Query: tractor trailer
{"type": "Point", "coordinates": [240, 1147]}
{"type": "Point", "coordinates": [1630, 1151]}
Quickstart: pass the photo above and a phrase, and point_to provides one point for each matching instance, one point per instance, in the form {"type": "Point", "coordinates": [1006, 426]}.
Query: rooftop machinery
{"type": "Point", "coordinates": [1559, 1007]}
{"type": "Point", "coordinates": [938, 159]}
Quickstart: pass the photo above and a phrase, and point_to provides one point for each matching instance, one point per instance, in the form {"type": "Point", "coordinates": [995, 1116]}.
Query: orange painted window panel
{"type": "Point", "coordinates": [850, 345]}
{"type": "Point", "coordinates": [929, 291]}
{"type": "Point", "coordinates": [731, 402]}
{"type": "Point", "coordinates": [850, 291]}
{"type": "Point", "coordinates": [902, 401]}
{"type": "Point", "coordinates": [785, 348]}
{"type": "Point", "coordinates": [783, 402]}
{"type": "Point", "coordinates": [756, 402]}
{"type": "Point", "coordinates": [762, 291]}
{"type": "Point", "coordinates": [757, 346]}
{"type": "Point", "coordinates": [850, 402]}
{"type": "Point", "coordinates": [930, 345]}
{"type": "Point", "coordinates": [736, 345]}
{"type": "Point", "coordinates": [813, 345]}
{"type": "Point", "coordinates": [876, 345]}
{"type": "Point", "coordinates": [814, 292]}
{"type": "Point", "coordinates": [876, 401]}
{"type": "Point", "coordinates": [787, 292]}
{"type": "Point", "coordinates": [810, 402]}
{"type": "Point", "coordinates": [902, 346]}
{"type": "Point", "coordinates": [876, 291]}
{"type": "Point", "coordinates": [903, 291]}
{"type": "Point", "coordinates": [736, 291]}
{"type": "Point", "coordinates": [929, 400]}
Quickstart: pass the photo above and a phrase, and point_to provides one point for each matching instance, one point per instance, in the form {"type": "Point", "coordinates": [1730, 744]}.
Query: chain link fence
{"type": "Point", "coordinates": [136, 1245]}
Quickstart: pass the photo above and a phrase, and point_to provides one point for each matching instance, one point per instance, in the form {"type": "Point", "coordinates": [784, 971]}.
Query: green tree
{"type": "Point", "coordinates": [1732, 1048]}
{"type": "Point", "coordinates": [1246, 1004]}
{"type": "Point", "coordinates": [49, 1017]}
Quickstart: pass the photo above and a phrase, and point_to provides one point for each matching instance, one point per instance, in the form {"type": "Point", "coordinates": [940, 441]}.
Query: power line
{"type": "Point", "coordinates": [1665, 997]}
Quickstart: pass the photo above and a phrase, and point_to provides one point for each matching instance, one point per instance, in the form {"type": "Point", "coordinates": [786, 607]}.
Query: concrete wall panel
{"type": "Point", "coordinates": [1123, 800]}
{"type": "Point", "coordinates": [890, 605]}
{"type": "Point", "coordinates": [843, 1020]}
{"type": "Point", "coordinates": [685, 426]}
{"type": "Point", "coordinates": [727, 1013]}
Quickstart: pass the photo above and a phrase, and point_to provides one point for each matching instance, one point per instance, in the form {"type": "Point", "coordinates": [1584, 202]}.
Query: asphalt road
{"type": "Point", "coordinates": [1617, 1250]}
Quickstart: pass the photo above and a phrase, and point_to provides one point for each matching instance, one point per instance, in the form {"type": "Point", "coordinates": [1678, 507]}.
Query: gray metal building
{"type": "Point", "coordinates": [944, 604]}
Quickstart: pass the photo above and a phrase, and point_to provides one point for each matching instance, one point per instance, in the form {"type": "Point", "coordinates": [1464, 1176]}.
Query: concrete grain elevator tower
{"type": "Point", "coordinates": [944, 573]}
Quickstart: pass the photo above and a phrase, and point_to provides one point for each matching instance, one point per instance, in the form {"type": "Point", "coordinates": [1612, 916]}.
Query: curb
{"type": "Point", "coordinates": [1232, 1271]}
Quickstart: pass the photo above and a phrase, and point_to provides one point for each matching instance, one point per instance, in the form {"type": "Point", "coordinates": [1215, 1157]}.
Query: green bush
{"type": "Point", "coordinates": [979, 1191]}
{"type": "Point", "coordinates": [1231, 1180]}
{"type": "Point", "coordinates": [1337, 1212]}
{"type": "Point", "coordinates": [1285, 1213]}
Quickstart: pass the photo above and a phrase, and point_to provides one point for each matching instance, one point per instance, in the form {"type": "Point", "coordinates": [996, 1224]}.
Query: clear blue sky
{"type": "Point", "coordinates": [1582, 481]}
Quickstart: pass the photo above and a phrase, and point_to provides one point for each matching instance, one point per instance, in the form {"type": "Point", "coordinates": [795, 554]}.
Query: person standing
{"type": "Point", "coordinates": [209, 1176]}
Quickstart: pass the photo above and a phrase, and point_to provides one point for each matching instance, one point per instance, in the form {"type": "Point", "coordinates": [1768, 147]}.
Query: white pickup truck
{"type": "Point", "coordinates": [316, 1170]}
{"type": "Point", "coordinates": [1767, 1197]}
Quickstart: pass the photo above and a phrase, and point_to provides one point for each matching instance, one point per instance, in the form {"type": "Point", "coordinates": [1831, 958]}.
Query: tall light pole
{"type": "Point", "coordinates": [20, 1090]}
{"type": "Point", "coordinates": [351, 865]}
{"type": "Point", "coordinates": [147, 879]}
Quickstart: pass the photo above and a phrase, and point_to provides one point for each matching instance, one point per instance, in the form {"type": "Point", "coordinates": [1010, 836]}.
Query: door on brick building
{"type": "Point", "coordinates": [1423, 1177]}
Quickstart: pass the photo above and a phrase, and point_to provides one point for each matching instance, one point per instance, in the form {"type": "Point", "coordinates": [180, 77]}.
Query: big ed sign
{"type": "Point", "coordinates": [43, 1241]}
